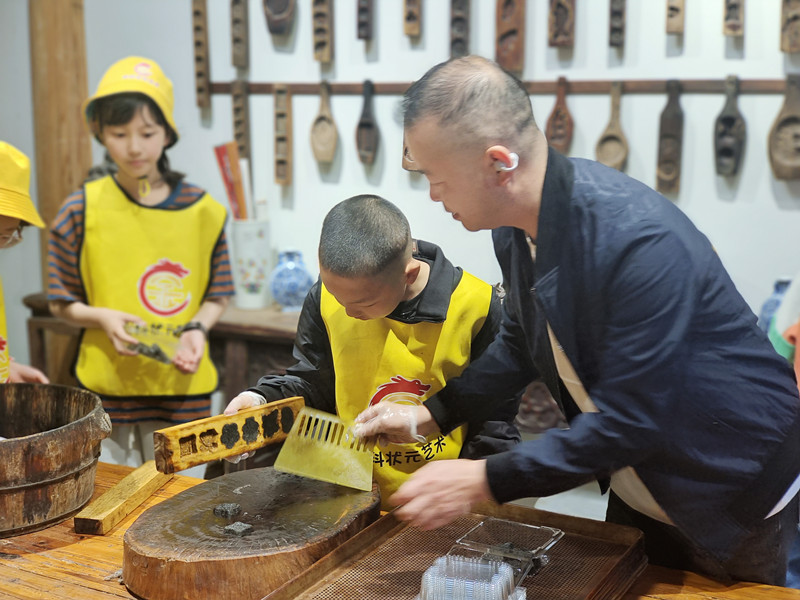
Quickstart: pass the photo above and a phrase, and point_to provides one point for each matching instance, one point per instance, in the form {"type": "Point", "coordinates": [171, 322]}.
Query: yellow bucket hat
{"type": "Point", "coordinates": [15, 180]}
{"type": "Point", "coordinates": [135, 74]}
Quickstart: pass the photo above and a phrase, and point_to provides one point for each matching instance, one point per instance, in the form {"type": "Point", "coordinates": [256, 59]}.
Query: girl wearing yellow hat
{"type": "Point", "coordinates": [16, 211]}
{"type": "Point", "coordinates": [139, 259]}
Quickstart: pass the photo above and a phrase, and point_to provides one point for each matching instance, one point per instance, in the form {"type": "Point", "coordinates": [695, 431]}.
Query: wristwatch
{"type": "Point", "coordinates": [193, 325]}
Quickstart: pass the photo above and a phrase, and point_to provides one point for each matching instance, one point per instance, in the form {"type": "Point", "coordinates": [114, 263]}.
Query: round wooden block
{"type": "Point", "coordinates": [197, 544]}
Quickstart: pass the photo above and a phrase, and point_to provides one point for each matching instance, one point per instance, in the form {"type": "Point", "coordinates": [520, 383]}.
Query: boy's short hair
{"type": "Point", "coordinates": [362, 236]}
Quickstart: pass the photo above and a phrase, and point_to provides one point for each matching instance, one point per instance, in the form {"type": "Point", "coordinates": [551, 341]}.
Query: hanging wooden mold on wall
{"type": "Point", "coordinates": [459, 28]}
{"type": "Point", "coordinates": [561, 23]}
{"type": "Point", "coordinates": [730, 131]}
{"type": "Point", "coordinates": [790, 25]}
{"type": "Point", "coordinates": [241, 117]}
{"type": "Point", "coordinates": [279, 15]}
{"type": "Point", "coordinates": [612, 147]}
{"type": "Point", "coordinates": [283, 134]}
{"type": "Point", "coordinates": [560, 124]}
{"type": "Point", "coordinates": [412, 17]}
{"type": "Point", "coordinates": [367, 133]}
{"type": "Point", "coordinates": [616, 23]}
{"type": "Point", "coordinates": [510, 35]}
{"type": "Point", "coordinates": [202, 76]}
{"type": "Point", "coordinates": [670, 142]}
{"type": "Point", "coordinates": [784, 149]}
{"type": "Point", "coordinates": [324, 135]}
{"type": "Point", "coordinates": [239, 37]}
{"type": "Point", "coordinates": [675, 16]}
{"type": "Point", "coordinates": [322, 16]}
{"type": "Point", "coordinates": [733, 19]}
{"type": "Point", "coordinates": [364, 16]}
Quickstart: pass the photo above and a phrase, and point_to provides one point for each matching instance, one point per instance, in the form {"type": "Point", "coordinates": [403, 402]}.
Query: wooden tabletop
{"type": "Point", "coordinates": [56, 563]}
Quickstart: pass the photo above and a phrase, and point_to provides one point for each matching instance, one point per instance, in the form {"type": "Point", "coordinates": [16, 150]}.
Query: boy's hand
{"type": "Point", "coordinates": [190, 351]}
{"type": "Point", "coordinates": [396, 423]}
{"type": "Point", "coordinates": [113, 323]}
{"type": "Point", "coordinates": [25, 374]}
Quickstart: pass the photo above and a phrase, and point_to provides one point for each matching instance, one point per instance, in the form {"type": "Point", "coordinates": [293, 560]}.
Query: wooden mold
{"type": "Point", "coordinates": [675, 16]}
{"type": "Point", "coordinates": [100, 517]}
{"type": "Point", "coordinates": [280, 15]}
{"type": "Point", "coordinates": [239, 34]}
{"type": "Point", "coordinates": [561, 23]}
{"type": "Point", "coordinates": [202, 76]}
{"type": "Point", "coordinates": [412, 17]}
{"type": "Point", "coordinates": [364, 18]}
{"type": "Point", "coordinates": [197, 442]}
{"type": "Point", "coordinates": [459, 28]}
{"type": "Point", "coordinates": [784, 148]}
{"type": "Point", "coordinates": [730, 131]}
{"type": "Point", "coordinates": [283, 134]}
{"type": "Point", "coordinates": [616, 23]}
{"type": "Point", "coordinates": [670, 142]}
{"type": "Point", "coordinates": [322, 17]}
{"type": "Point", "coordinates": [367, 132]}
{"type": "Point", "coordinates": [510, 35]}
{"type": "Point", "coordinates": [324, 135]}
{"type": "Point", "coordinates": [241, 117]}
{"type": "Point", "coordinates": [733, 19]}
{"type": "Point", "coordinates": [560, 124]}
{"type": "Point", "coordinates": [612, 147]}
{"type": "Point", "coordinates": [790, 26]}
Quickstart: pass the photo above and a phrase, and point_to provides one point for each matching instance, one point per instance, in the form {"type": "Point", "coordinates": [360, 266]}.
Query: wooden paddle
{"type": "Point", "coordinates": [367, 134]}
{"type": "Point", "coordinates": [202, 77]}
{"type": "Point", "coordinates": [364, 15]}
{"type": "Point", "coordinates": [784, 149]}
{"type": "Point", "coordinates": [459, 28]}
{"type": "Point", "coordinates": [283, 134]}
{"type": "Point", "coordinates": [790, 27]}
{"type": "Point", "coordinates": [412, 17]}
{"type": "Point", "coordinates": [612, 147]}
{"type": "Point", "coordinates": [322, 17]}
{"type": "Point", "coordinates": [239, 37]}
{"type": "Point", "coordinates": [280, 15]}
{"type": "Point", "coordinates": [730, 131]}
{"type": "Point", "coordinates": [241, 116]}
{"type": "Point", "coordinates": [675, 16]}
{"type": "Point", "coordinates": [560, 124]}
{"type": "Point", "coordinates": [510, 35]}
{"type": "Point", "coordinates": [670, 141]}
{"type": "Point", "coordinates": [561, 29]}
{"type": "Point", "coordinates": [323, 130]}
{"type": "Point", "coordinates": [733, 20]}
{"type": "Point", "coordinates": [616, 23]}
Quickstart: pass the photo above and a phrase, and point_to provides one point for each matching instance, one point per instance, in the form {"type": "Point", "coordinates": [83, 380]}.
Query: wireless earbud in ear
{"type": "Point", "coordinates": [514, 163]}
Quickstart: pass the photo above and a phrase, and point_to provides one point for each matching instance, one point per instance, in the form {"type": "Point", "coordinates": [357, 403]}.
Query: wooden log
{"type": "Point", "coordinates": [203, 440]}
{"type": "Point", "coordinates": [103, 514]}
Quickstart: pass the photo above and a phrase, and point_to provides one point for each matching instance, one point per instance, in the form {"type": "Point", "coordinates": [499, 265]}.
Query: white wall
{"type": "Point", "coordinates": [752, 219]}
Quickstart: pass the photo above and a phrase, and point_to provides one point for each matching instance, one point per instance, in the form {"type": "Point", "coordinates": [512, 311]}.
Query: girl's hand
{"type": "Point", "coordinates": [25, 374]}
{"type": "Point", "coordinates": [190, 351]}
{"type": "Point", "coordinates": [113, 323]}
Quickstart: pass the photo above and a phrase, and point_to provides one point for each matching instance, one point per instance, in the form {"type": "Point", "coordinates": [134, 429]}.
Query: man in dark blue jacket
{"type": "Point", "coordinates": [623, 307]}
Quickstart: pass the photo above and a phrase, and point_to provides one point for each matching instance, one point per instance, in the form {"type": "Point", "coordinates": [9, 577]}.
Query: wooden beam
{"type": "Point", "coordinates": [100, 517]}
{"type": "Point", "coordinates": [190, 444]}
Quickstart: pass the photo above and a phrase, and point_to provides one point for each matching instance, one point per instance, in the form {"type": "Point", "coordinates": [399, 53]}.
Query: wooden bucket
{"type": "Point", "coordinates": [49, 459]}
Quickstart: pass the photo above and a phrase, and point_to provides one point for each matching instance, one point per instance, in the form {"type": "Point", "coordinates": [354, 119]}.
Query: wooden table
{"type": "Point", "coordinates": [56, 563]}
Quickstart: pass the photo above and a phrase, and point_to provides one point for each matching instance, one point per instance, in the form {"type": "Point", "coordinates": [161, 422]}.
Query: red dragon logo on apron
{"type": "Point", "coordinates": [161, 288]}
{"type": "Point", "coordinates": [399, 385]}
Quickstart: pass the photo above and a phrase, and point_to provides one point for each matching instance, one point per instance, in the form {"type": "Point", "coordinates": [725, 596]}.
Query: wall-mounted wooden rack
{"type": "Point", "coordinates": [575, 86]}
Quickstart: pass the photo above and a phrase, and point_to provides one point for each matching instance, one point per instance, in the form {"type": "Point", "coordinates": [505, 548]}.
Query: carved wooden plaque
{"type": "Point", "coordinates": [412, 17]}
{"type": "Point", "coordinates": [510, 35]}
{"type": "Point", "coordinates": [675, 16]}
{"type": "Point", "coordinates": [202, 77]}
{"type": "Point", "coordinates": [324, 135]}
{"type": "Point", "coordinates": [283, 134]}
{"type": "Point", "coordinates": [616, 23]}
{"type": "Point", "coordinates": [459, 28]}
{"type": "Point", "coordinates": [730, 132]}
{"type": "Point", "coordinates": [280, 15]}
{"type": "Point", "coordinates": [241, 117]}
{"type": "Point", "coordinates": [784, 137]}
{"type": "Point", "coordinates": [239, 37]}
{"type": "Point", "coordinates": [670, 142]}
{"type": "Point", "coordinates": [322, 17]}
{"type": "Point", "coordinates": [733, 19]}
{"type": "Point", "coordinates": [367, 133]}
{"type": "Point", "coordinates": [364, 16]}
{"type": "Point", "coordinates": [790, 25]}
{"type": "Point", "coordinates": [612, 147]}
{"type": "Point", "coordinates": [561, 27]}
{"type": "Point", "coordinates": [559, 124]}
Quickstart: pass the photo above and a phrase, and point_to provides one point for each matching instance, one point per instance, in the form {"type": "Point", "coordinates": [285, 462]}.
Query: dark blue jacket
{"type": "Point", "coordinates": [690, 391]}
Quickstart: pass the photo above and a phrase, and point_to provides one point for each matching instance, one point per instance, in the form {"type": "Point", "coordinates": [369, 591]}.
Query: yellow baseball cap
{"type": "Point", "coordinates": [15, 181]}
{"type": "Point", "coordinates": [135, 74]}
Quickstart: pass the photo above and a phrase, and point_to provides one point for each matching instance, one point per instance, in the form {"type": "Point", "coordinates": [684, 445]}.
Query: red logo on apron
{"type": "Point", "coordinates": [161, 288]}
{"type": "Point", "coordinates": [400, 385]}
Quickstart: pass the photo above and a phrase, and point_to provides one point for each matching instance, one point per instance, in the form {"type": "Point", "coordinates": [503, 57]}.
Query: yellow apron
{"type": "Point", "coordinates": [5, 359]}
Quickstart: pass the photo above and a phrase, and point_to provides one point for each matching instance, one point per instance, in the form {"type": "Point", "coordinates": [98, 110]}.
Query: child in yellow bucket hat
{"type": "Point", "coordinates": [16, 211]}
{"type": "Point", "coordinates": [139, 259]}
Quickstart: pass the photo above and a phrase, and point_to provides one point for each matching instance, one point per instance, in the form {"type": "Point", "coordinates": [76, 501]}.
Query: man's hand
{"type": "Point", "coordinates": [24, 374]}
{"type": "Point", "coordinates": [396, 423]}
{"type": "Point", "coordinates": [192, 344]}
{"type": "Point", "coordinates": [243, 400]}
{"type": "Point", "coordinates": [440, 492]}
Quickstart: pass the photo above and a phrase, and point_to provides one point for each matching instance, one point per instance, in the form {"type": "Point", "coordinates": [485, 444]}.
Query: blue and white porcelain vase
{"type": "Point", "coordinates": [772, 303]}
{"type": "Point", "coordinates": [290, 280]}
